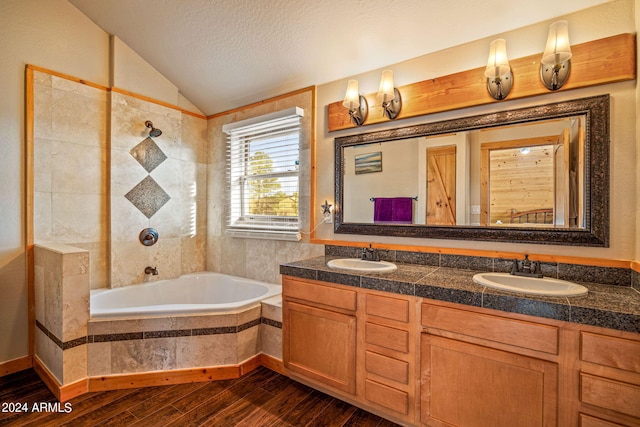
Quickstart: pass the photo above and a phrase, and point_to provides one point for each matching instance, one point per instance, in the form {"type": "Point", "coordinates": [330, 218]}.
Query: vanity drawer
{"type": "Point", "coordinates": [610, 394]}
{"type": "Point", "coordinates": [610, 351]}
{"type": "Point", "coordinates": [389, 397]}
{"type": "Point", "coordinates": [388, 308]}
{"type": "Point", "coordinates": [326, 295]}
{"type": "Point", "coordinates": [519, 333]}
{"type": "Point", "coordinates": [387, 367]}
{"type": "Point", "coordinates": [384, 336]}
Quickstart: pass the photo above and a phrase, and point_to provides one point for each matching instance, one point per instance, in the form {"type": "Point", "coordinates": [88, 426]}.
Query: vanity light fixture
{"type": "Point", "coordinates": [389, 96]}
{"type": "Point", "coordinates": [498, 71]}
{"type": "Point", "coordinates": [555, 65]}
{"type": "Point", "coordinates": [355, 103]}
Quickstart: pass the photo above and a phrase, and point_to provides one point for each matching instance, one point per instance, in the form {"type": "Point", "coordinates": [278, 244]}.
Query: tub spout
{"type": "Point", "coordinates": [151, 270]}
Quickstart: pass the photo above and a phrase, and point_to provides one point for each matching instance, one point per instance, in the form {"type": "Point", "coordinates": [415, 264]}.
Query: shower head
{"type": "Point", "coordinates": [153, 132]}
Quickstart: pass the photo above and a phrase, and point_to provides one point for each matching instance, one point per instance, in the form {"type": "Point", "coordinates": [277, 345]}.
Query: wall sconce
{"type": "Point", "coordinates": [556, 60]}
{"type": "Point", "coordinates": [498, 71]}
{"type": "Point", "coordinates": [355, 103]}
{"type": "Point", "coordinates": [389, 95]}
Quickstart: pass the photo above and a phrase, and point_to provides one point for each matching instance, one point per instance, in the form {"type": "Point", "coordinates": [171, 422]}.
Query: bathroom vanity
{"type": "Point", "coordinates": [426, 346]}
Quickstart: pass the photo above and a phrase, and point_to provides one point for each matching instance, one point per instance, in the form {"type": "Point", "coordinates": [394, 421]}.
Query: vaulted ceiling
{"type": "Point", "coordinates": [223, 54]}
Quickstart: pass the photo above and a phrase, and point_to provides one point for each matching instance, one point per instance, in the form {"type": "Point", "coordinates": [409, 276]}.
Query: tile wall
{"type": "Point", "coordinates": [70, 168]}
{"type": "Point", "coordinates": [157, 182]}
{"type": "Point", "coordinates": [62, 310]}
{"type": "Point", "coordinates": [252, 258]}
{"type": "Point", "coordinates": [91, 147]}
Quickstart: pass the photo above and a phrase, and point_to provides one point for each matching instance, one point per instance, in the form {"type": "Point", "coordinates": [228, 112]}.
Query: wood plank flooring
{"type": "Point", "coordinates": [261, 398]}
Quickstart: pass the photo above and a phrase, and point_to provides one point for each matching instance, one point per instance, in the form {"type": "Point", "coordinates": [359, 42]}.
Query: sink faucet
{"type": "Point", "coordinates": [151, 270]}
{"type": "Point", "coordinates": [526, 268]}
{"type": "Point", "coordinates": [370, 254]}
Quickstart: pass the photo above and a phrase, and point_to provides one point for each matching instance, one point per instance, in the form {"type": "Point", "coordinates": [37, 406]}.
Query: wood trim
{"type": "Point", "coordinates": [29, 204]}
{"type": "Point", "coordinates": [67, 77]}
{"type": "Point", "coordinates": [177, 376]}
{"type": "Point", "coordinates": [61, 392]}
{"type": "Point", "coordinates": [156, 101]}
{"type": "Point", "coordinates": [114, 89]}
{"type": "Point", "coordinates": [565, 259]}
{"type": "Point", "coordinates": [273, 364]}
{"type": "Point", "coordinates": [144, 379]}
{"type": "Point", "coordinates": [635, 266]}
{"type": "Point", "coordinates": [607, 60]}
{"type": "Point", "coordinates": [313, 211]}
{"type": "Point", "coordinates": [259, 103]}
{"type": "Point", "coordinates": [16, 365]}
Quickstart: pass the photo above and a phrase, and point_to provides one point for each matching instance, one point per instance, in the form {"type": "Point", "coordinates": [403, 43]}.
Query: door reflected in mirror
{"type": "Point", "coordinates": [530, 175]}
{"type": "Point", "coordinates": [525, 175]}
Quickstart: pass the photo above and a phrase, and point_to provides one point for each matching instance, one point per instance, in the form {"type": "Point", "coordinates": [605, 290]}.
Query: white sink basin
{"type": "Point", "coordinates": [364, 266]}
{"type": "Point", "coordinates": [530, 285]}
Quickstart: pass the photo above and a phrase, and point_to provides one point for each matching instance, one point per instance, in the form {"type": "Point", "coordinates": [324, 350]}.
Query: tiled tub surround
{"type": "Point", "coordinates": [62, 310]}
{"type": "Point", "coordinates": [613, 300]}
{"type": "Point", "coordinates": [123, 346]}
{"type": "Point", "coordinates": [70, 347]}
{"type": "Point", "coordinates": [159, 183]}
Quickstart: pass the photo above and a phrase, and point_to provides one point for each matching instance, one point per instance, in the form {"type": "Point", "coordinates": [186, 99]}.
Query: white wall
{"type": "Point", "coordinates": [398, 177]}
{"type": "Point", "coordinates": [601, 21]}
{"type": "Point", "coordinates": [55, 35]}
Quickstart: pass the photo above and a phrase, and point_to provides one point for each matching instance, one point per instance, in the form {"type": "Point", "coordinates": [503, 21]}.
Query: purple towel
{"type": "Point", "coordinates": [393, 209]}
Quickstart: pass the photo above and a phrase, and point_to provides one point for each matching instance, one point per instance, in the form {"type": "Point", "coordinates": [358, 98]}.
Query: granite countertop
{"type": "Point", "coordinates": [608, 306]}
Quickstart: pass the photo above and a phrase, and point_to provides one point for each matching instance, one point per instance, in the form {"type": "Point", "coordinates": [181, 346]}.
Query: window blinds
{"type": "Point", "coordinates": [262, 168]}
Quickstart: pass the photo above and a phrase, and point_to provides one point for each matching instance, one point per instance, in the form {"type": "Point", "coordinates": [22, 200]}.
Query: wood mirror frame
{"type": "Point", "coordinates": [596, 186]}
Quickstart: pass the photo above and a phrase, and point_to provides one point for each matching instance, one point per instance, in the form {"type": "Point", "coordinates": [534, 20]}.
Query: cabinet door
{"type": "Point", "coordinates": [321, 345]}
{"type": "Point", "coordinates": [470, 385]}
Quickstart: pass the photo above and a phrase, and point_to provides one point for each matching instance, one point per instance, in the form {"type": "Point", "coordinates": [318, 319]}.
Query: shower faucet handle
{"type": "Point", "coordinates": [148, 236]}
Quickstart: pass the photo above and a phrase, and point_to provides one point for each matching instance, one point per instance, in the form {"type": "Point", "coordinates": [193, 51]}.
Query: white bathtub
{"type": "Point", "coordinates": [203, 292]}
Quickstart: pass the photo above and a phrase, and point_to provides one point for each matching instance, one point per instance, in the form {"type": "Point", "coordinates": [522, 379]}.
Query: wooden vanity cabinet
{"type": "Point", "coordinates": [319, 333]}
{"type": "Point", "coordinates": [356, 344]}
{"type": "Point", "coordinates": [389, 342]}
{"type": "Point", "coordinates": [609, 379]}
{"type": "Point", "coordinates": [424, 362]}
{"type": "Point", "coordinates": [478, 370]}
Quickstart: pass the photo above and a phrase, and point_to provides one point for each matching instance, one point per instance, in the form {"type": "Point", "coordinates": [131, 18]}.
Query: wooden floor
{"type": "Point", "coordinates": [261, 398]}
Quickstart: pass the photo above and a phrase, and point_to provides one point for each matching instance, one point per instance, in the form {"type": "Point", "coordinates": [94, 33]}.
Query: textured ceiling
{"type": "Point", "coordinates": [223, 54]}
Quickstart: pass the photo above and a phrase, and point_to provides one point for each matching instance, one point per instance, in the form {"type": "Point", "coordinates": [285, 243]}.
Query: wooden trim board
{"type": "Point", "coordinates": [608, 60]}
{"type": "Point", "coordinates": [566, 259]}
{"type": "Point", "coordinates": [15, 365]}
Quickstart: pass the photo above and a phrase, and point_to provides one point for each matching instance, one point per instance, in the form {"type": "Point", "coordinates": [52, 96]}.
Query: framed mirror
{"type": "Point", "coordinates": [531, 175]}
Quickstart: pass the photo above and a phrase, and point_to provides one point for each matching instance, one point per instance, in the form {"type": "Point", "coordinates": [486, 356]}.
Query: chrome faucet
{"type": "Point", "coordinates": [526, 268]}
{"type": "Point", "coordinates": [151, 270]}
{"type": "Point", "coordinates": [370, 254]}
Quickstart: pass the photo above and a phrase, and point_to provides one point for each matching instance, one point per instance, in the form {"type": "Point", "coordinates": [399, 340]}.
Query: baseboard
{"type": "Point", "coordinates": [178, 376]}
{"type": "Point", "coordinates": [150, 379]}
{"type": "Point", "coordinates": [61, 392]}
{"type": "Point", "coordinates": [16, 365]}
{"type": "Point", "coordinates": [274, 364]}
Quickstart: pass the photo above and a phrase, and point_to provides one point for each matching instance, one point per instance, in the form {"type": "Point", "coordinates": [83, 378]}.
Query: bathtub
{"type": "Point", "coordinates": [203, 292]}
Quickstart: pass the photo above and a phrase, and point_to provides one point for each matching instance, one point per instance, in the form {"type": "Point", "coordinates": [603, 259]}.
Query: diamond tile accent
{"type": "Point", "coordinates": [148, 196]}
{"type": "Point", "coordinates": [148, 154]}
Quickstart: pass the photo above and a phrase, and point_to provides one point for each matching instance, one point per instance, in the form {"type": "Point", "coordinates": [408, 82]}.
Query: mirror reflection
{"type": "Point", "coordinates": [525, 175]}
{"type": "Point", "coordinates": [531, 175]}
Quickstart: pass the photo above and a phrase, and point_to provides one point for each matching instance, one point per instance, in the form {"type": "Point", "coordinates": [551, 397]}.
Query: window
{"type": "Point", "coordinates": [262, 175]}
